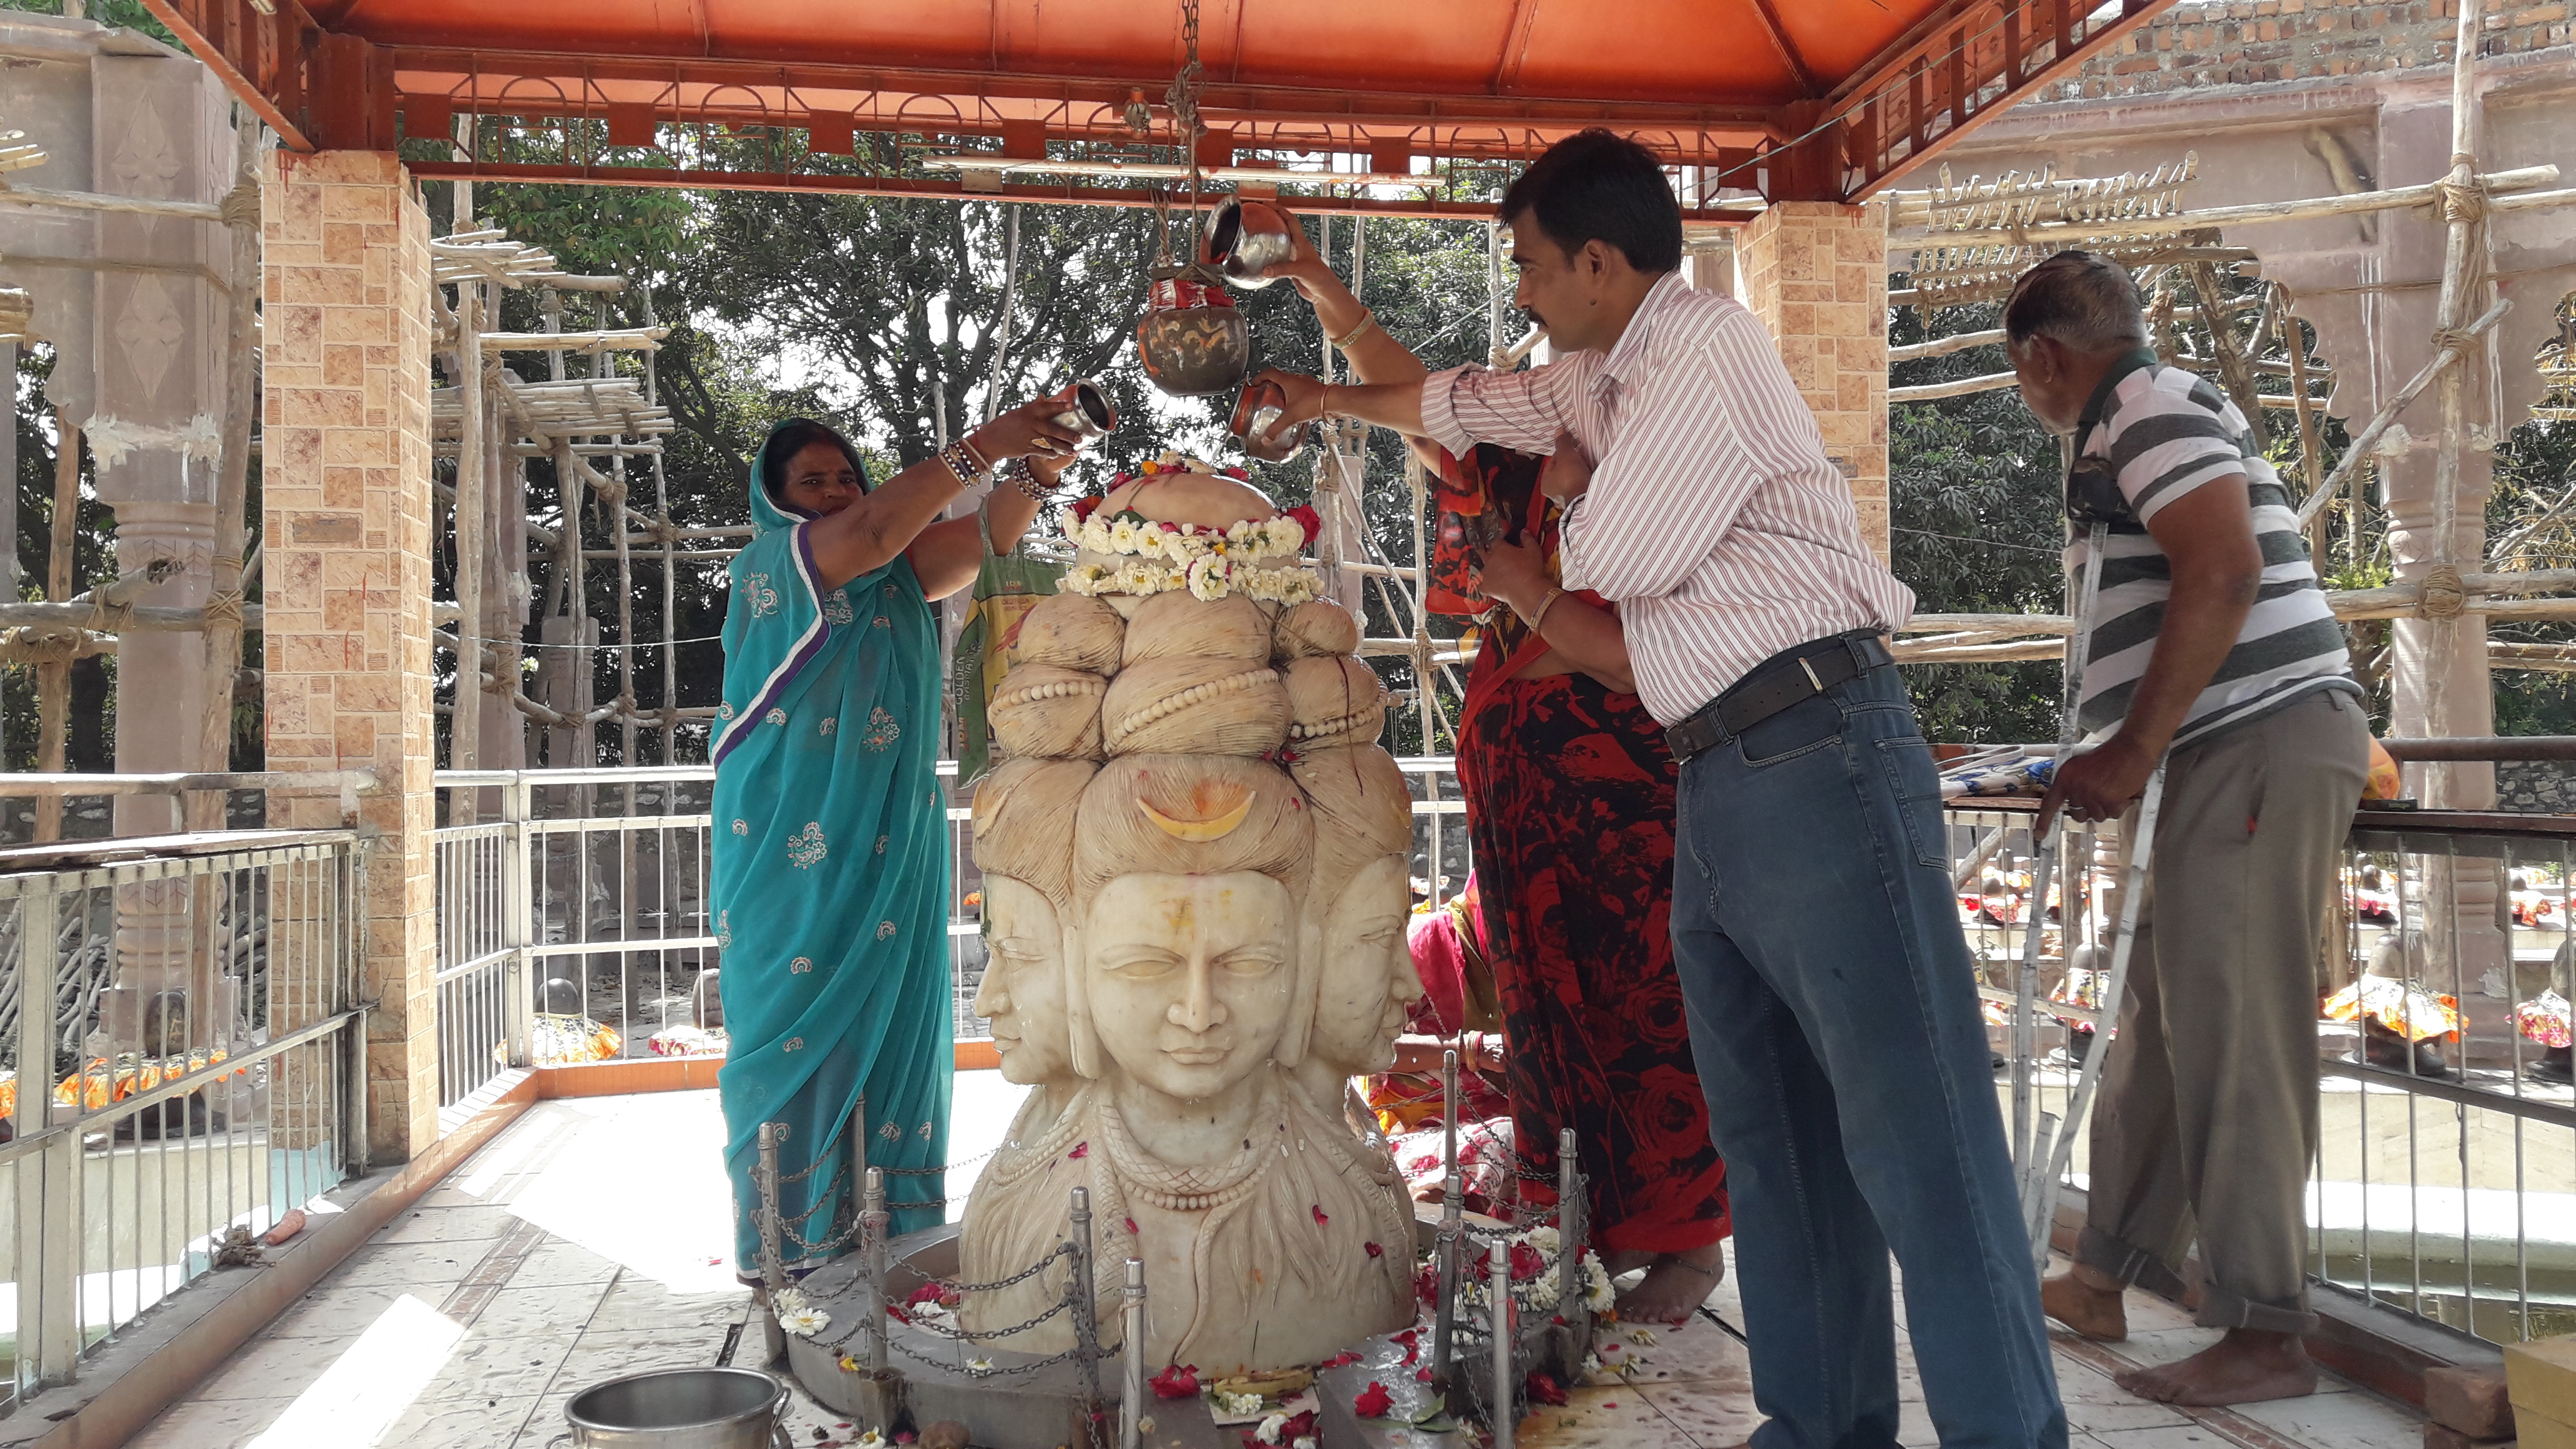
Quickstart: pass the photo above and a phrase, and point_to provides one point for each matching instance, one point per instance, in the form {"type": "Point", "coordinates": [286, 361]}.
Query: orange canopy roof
{"type": "Point", "coordinates": [1822, 99]}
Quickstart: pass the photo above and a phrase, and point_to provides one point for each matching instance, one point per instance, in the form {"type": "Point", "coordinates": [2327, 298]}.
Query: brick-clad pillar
{"type": "Point", "coordinates": [346, 482]}
{"type": "Point", "coordinates": [1815, 272]}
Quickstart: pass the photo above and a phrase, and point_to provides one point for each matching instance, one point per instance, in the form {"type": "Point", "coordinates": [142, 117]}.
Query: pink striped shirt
{"type": "Point", "coordinates": [1714, 518]}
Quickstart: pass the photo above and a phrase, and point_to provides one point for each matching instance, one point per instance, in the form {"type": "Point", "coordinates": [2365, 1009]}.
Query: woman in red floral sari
{"type": "Point", "coordinates": [1569, 791]}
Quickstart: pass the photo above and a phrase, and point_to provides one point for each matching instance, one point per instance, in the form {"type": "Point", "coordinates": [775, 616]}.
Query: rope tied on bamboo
{"type": "Point", "coordinates": [225, 608]}
{"type": "Point", "coordinates": [2462, 201]}
{"type": "Point", "coordinates": [505, 666]}
{"type": "Point", "coordinates": [240, 206]}
{"type": "Point", "coordinates": [2453, 339]}
{"type": "Point", "coordinates": [42, 646]}
{"type": "Point", "coordinates": [2445, 597]}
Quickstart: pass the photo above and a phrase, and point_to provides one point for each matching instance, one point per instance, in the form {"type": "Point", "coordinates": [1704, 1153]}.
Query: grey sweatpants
{"type": "Point", "coordinates": [2207, 1118]}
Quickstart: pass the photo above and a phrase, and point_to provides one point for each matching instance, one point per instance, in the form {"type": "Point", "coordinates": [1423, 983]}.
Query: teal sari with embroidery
{"type": "Point", "coordinates": [830, 881]}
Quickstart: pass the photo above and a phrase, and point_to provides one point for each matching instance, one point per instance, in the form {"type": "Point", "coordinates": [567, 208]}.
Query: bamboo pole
{"type": "Point", "coordinates": [2462, 233]}
{"type": "Point", "coordinates": [463, 736]}
{"type": "Point", "coordinates": [223, 639]}
{"type": "Point", "coordinates": [2367, 440]}
{"type": "Point", "coordinates": [54, 680]}
{"type": "Point", "coordinates": [2228, 351]}
{"type": "Point", "coordinates": [2311, 465]}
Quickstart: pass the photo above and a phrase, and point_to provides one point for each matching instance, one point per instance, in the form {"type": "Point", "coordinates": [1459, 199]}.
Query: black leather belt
{"type": "Point", "coordinates": [1797, 673]}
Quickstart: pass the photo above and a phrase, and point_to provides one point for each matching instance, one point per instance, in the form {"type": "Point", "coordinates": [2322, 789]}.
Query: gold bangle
{"type": "Point", "coordinates": [1538, 618]}
{"type": "Point", "coordinates": [1368, 319]}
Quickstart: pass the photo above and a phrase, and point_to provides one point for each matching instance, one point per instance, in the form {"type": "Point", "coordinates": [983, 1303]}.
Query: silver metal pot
{"type": "Point", "coordinates": [1088, 410]}
{"type": "Point", "coordinates": [1256, 411]}
{"type": "Point", "coordinates": [691, 1408]}
{"type": "Point", "coordinates": [1246, 239]}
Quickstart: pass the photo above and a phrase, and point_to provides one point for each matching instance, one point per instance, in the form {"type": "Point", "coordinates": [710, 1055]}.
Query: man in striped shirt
{"type": "Point", "coordinates": [1833, 1010]}
{"type": "Point", "coordinates": [2212, 641]}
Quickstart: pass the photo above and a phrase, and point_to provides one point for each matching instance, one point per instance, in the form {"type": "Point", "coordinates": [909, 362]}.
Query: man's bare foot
{"type": "Point", "coordinates": [1676, 1284]}
{"type": "Point", "coordinates": [2083, 1300]}
{"type": "Point", "coordinates": [2246, 1367]}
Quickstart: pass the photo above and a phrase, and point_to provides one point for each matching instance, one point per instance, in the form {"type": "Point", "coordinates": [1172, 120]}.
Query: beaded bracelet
{"type": "Point", "coordinates": [1020, 475]}
{"type": "Point", "coordinates": [961, 460]}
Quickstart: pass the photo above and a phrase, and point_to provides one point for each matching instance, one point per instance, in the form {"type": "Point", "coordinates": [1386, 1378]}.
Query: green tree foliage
{"type": "Point", "coordinates": [1977, 527]}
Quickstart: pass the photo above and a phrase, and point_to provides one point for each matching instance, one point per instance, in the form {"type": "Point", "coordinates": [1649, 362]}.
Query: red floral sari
{"type": "Point", "coordinates": [1569, 790]}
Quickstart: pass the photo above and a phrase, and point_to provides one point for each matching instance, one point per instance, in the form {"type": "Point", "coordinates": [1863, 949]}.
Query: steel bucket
{"type": "Point", "coordinates": [691, 1408]}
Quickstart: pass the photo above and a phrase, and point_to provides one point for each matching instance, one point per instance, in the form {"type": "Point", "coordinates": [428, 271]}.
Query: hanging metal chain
{"type": "Point", "coordinates": [1183, 97]}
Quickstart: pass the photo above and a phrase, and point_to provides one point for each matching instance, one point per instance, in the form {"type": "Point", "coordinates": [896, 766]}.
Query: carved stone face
{"type": "Point", "coordinates": [1023, 991]}
{"type": "Point", "coordinates": [1366, 978]}
{"type": "Point", "coordinates": [1190, 977]}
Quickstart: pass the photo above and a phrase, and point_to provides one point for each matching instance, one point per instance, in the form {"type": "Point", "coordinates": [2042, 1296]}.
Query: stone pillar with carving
{"type": "Point", "coordinates": [1815, 272]}
{"type": "Point", "coordinates": [161, 128]}
{"type": "Point", "coordinates": [346, 489]}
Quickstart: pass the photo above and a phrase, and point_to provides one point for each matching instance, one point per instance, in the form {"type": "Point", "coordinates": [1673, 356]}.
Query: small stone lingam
{"type": "Point", "coordinates": [1196, 893]}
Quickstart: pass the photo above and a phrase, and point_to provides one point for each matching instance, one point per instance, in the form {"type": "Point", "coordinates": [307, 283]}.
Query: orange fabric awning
{"type": "Point", "coordinates": [1816, 99]}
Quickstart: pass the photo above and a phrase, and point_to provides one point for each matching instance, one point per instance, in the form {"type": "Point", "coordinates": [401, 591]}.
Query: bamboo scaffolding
{"type": "Point", "coordinates": [2519, 179]}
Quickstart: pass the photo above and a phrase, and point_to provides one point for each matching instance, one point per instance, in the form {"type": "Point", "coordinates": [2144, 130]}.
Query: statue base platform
{"type": "Point", "coordinates": [927, 1380]}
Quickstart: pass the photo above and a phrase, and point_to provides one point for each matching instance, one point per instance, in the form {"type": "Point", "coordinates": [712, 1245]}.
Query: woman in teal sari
{"type": "Point", "coordinates": [831, 838]}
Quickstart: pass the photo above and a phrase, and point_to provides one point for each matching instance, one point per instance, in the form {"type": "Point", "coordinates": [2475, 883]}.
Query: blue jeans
{"type": "Point", "coordinates": [1834, 1016]}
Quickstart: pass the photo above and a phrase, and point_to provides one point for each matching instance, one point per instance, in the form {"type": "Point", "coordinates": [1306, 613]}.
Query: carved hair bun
{"type": "Point", "coordinates": [1195, 706]}
{"type": "Point", "coordinates": [1043, 711]}
{"type": "Point", "coordinates": [1179, 624]}
{"type": "Point", "coordinates": [1334, 702]}
{"type": "Point", "coordinates": [1023, 820]}
{"type": "Point", "coordinates": [1318, 628]}
{"type": "Point", "coordinates": [1069, 631]}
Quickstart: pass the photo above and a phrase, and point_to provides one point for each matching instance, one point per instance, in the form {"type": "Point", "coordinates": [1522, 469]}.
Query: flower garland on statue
{"type": "Point", "coordinates": [1209, 562]}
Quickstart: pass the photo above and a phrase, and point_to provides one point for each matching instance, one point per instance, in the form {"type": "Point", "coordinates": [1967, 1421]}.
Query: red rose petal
{"type": "Point", "coordinates": [1374, 1250]}
{"type": "Point", "coordinates": [1544, 1389]}
{"type": "Point", "coordinates": [1080, 1151]}
{"type": "Point", "coordinates": [1318, 1210]}
{"type": "Point", "coordinates": [1422, 1375]}
{"type": "Point", "coordinates": [1373, 1401]}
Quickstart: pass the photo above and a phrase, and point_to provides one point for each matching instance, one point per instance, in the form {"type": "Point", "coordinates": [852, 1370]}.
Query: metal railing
{"type": "Point", "coordinates": [182, 1042]}
{"type": "Point", "coordinates": [2452, 1196]}
{"type": "Point", "coordinates": [571, 900]}
{"type": "Point", "coordinates": [2443, 1190]}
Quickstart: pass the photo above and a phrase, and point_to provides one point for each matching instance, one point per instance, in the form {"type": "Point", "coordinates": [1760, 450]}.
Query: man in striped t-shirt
{"type": "Point", "coordinates": [2211, 640]}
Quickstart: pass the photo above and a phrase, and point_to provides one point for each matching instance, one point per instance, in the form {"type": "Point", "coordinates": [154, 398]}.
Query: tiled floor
{"type": "Point", "coordinates": [592, 1239]}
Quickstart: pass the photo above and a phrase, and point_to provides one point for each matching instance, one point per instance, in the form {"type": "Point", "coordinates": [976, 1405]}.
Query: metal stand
{"type": "Point", "coordinates": [764, 1176]}
{"type": "Point", "coordinates": [875, 1220]}
{"type": "Point", "coordinates": [1569, 1224]}
{"type": "Point", "coordinates": [1444, 1320]}
{"type": "Point", "coordinates": [1086, 1322]}
{"type": "Point", "coordinates": [1501, 1314]}
{"type": "Point", "coordinates": [1131, 1398]}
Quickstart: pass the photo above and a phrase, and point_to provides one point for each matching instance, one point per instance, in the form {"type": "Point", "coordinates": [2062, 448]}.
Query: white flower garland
{"type": "Point", "coordinates": [1207, 576]}
{"type": "Point", "coordinates": [1247, 541]}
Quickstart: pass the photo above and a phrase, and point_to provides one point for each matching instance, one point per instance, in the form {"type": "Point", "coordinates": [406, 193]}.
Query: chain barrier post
{"type": "Point", "coordinates": [1569, 1224]}
{"type": "Point", "coordinates": [1444, 1320]}
{"type": "Point", "coordinates": [1131, 1397]}
{"type": "Point", "coordinates": [858, 1130]}
{"type": "Point", "coordinates": [773, 1271]}
{"type": "Point", "coordinates": [1086, 1311]}
{"type": "Point", "coordinates": [873, 1224]}
{"type": "Point", "coordinates": [1501, 1316]}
